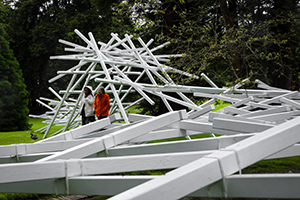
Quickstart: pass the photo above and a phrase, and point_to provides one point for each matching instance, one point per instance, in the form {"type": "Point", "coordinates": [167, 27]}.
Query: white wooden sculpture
{"type": "Point", "coordinates": [110, 63]}
{"type": "Point", "coordinates": [259, 124]}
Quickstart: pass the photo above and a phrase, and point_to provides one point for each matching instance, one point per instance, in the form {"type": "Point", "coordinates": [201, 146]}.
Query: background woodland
{"type": "Point", "coordinates": [227, 40]}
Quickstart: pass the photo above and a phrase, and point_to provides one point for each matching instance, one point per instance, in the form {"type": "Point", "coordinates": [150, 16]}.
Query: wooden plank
{"type": "Point", "coordinates": [234, 110]}
{"type": "Point", "coordinates": [288, 152]}
{"type": "Point", "coordinates": [265, 186]}
{"type": "Point", "coordinates": [159, 135]}
{"type": "Point", "coordinates": [206, 128]}
{"type": "Point", "coordinates": [188, 146]}
{"type": "Point", "coordinates": [216, 115]}
{"type": "Point", "coordinates": [118, 137]}
{"type": "Point", "coordinates": [181, 181]}
{"type": "Point", "coordinates": [272, 110]}
{"type": "Point", "coordinates": [290, 102]}
{"type": "Point", "coordinates": [23, 158]}
{"type": "Point", "coordinates": [122, 164]}
{"type": "Point", "coordinates": [177, 183]}
{"type": "Point", "coordinates": [31, 171]}
{"type": "Point", "coordinates": [45, 186]}
{"type": "Point", "coordinates": [279, 186]}
{"type": "Point", "coordinates": [60, 169]}
{"type": "Point", "coordinates": [276, 118]}
{"type": "Point", "coordinates": [238, 125]}
{"type": "Point", "coordinates": [76, 133]}
{"type": "Point", "coordinates": [201, 112]}
{"type": "Point", "coordinates": [282, 186]}
{"type": "Point", "coordinates": [51, 146]}
{"type": "Point", "coordinates": [204, 144]}
{"type": "Point", "coordinates": [262, 145]}
{"type": "Point", "coordinates": [138, 117]}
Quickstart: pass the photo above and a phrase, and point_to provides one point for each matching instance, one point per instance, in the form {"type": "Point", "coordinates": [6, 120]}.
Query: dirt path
{"type": "Point", "coordinates": [70, 197]}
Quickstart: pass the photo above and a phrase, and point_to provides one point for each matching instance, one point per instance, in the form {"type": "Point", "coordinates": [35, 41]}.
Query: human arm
{"type": "Point", "coordinates": [106, 103]}
{"type": "Point", "coordinates": [89, 100]}
{"type": "Point", "coordinates": [95, 103]}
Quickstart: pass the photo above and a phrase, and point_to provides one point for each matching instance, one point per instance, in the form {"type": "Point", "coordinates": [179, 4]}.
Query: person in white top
{"type": "Point", "coordinates": [87, 112]}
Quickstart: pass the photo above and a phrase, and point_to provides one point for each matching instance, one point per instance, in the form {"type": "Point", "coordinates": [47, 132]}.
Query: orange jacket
{"type": "Point", "coordinates": [101, 105]}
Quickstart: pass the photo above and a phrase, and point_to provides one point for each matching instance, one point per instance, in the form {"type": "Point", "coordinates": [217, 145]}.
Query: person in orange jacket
{"type": "Point", "coordinates": [101, 104]}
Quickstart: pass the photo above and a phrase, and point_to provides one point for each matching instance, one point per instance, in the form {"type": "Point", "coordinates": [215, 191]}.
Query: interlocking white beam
{"type": "Point", "coordinates": [181, 182]}
{"type": "Point", "coordinates": [281, 186]}
{"type": "Point", "coordinates": [118, 137]}
{"type": "Point", "coordinates": [259, 124]}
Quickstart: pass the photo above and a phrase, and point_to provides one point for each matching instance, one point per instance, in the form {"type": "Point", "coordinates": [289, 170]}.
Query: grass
{"type": "Point", "coordinates": [282, 165]}
{"type": "Point", "coordinates": [135, 109]}
{"type": "Point", "coordinates": [18, 196]}
{"type": "Point", "coordinates": [17, 137]}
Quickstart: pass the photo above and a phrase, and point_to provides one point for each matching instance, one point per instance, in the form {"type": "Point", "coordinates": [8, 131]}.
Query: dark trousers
{"type": "Point", "coordinates": [102, 117]}
{"type": "Point", "coordinates": [86, 120]}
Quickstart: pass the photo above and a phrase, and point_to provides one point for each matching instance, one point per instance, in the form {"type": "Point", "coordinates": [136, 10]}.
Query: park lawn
{"type": "Point", "coordinates": [18, 137]}
{"type": "Point", "coordinates": [282, 165]}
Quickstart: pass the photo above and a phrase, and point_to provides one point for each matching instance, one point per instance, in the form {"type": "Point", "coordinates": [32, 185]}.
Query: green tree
{"type": "Point", "coordinates": [230, 40]}
{"type": "Point", "coordinates": [285, 72]}
{"type": "Point", "coordinates": [37, 25]}
{"type": "Point", "coordinates": [13, 101]}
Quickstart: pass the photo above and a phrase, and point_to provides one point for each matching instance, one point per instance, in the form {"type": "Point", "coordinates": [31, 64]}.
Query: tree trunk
{"type": "Point", "coordinates": [288, 77]}
{"type": "Point", "coordinates": [228, 11]}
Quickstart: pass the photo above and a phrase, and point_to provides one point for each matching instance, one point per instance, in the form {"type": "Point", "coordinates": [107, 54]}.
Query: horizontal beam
{"type": "Point", "coordinates": [216, 166]}
{"type": "Point", "coordinates": [281, 186]}
{"type": "Point", "coordinates": [38, 148]}
{"type": "Point", "coordinates": [60, 169]}
{"type": "Point", "coordinates": [118, 137]}
{"type": "Point", "coordinates": [240, 126]}
{"type": "Point", "coordinates": [80, 131]}
{"type": "Point", "coordinates": [203, 144]}
{"type": "Point", "coordinates": [206, 127]}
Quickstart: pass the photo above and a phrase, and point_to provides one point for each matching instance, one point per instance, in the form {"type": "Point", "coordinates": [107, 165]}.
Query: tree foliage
{"type": "Point", "coordinates": [13, 101]}
{"type": "Point", "coordinates": [228, 40]}
{"type": "Point", "coordinates": [35, 26]}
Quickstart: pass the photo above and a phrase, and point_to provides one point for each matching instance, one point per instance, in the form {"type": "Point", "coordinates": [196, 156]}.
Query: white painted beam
{"type": "Point", "coordinates": [207, 127]}
{"type": "Point", "coordinates": [60, 169]}
{"type": "Point", "coordinates": [181, 182]}
{"type": "Point", "coordinates": [32, 148]}
{"type": "Point", "coordinates": [239, 125]}
{"type": "Point", "coordinates": [203, 144]}
{"type": "Point", "coordinates": [78, 132]}
{"type": "Point", "coordinates": [118, 137]}
{"type": "Point", "coordinates": [281, 186]}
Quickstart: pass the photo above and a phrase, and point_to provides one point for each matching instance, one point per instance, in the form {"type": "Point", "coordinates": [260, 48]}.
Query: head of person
{"type": "Point", "coordinates": [87, 90]}
{"type": "Point", "coordinates": [101, 90]}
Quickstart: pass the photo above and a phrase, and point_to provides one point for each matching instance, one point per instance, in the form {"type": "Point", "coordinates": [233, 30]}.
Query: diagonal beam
{"type": "Point", "coordinates": [118, 137]}
{"type": "Point", "coordinates": [217, 166]}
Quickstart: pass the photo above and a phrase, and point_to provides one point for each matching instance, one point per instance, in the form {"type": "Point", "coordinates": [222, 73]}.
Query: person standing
{"type": "Point", "coordinates": [87, 112]}
{"type": "Point", "coordinates": [101, 104]}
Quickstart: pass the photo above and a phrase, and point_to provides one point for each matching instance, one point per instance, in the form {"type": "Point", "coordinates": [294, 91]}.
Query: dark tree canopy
{"type": "Point", "coordinates": [13, 101]}
{"type": "Point", "coordinates": [35, 26]}
{"type": "Point", "coordinates": [228, 40]}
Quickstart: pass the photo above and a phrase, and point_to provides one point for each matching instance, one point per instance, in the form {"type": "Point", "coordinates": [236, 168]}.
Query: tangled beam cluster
{"type": "Point", "coordinates": [120, 66]}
